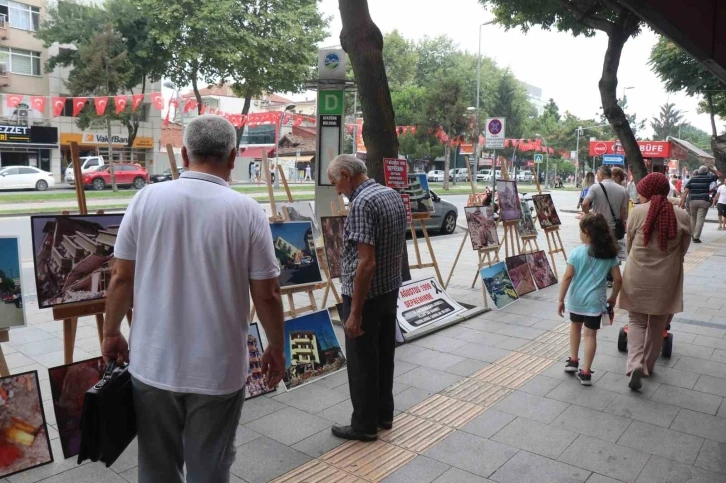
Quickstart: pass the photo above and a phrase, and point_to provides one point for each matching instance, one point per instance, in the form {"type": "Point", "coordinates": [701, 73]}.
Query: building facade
{"type": "Point", "coordinates": [304, 349]}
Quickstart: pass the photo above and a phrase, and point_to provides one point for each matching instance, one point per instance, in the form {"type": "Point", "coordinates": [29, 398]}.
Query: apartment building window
{"type": "Point", "coordinates": [20, 15]}
{"type": "Point", "coordinates": [19, 61]}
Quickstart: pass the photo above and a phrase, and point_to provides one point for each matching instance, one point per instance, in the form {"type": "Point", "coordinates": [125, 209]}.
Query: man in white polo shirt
{"type": "Point", "coordinates": [189, 253]}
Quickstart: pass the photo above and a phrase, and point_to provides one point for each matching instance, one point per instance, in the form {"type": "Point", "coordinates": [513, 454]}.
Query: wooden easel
{"type": "Point", "coordinates": [172, 161]}
{"type": "Point", "coordinates": [529, 244]}
{"type": "Point", "coordinates": [69, 313]}
{"type": "Point", "coordinates": [4, 337]}
{"type": "Point", "coordinates": [554, 241]}
{"type": "Point", "coordinates": [288, 292]}
{"type": "Point", "coordinates": [511, 233]}
{"type": "Point", "coordinates": [420, 218]}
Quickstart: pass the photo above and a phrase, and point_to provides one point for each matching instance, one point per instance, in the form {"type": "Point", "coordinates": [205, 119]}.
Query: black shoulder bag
{"type": "Point", "coordinates": [619, 225]}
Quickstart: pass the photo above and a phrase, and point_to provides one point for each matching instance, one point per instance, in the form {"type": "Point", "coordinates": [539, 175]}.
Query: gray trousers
{"type": "Point", "coordinates": [175, 429]}
{"type": "Point", "coordinates": [698, 211]}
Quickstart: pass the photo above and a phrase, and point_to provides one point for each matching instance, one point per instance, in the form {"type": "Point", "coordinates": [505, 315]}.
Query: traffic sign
{"type": "Point", "coordinates": [494, 134]}
{"type": "Point", "coordinates": [538, 159]}
{"type": "Point", "coordinates": [613, 159]}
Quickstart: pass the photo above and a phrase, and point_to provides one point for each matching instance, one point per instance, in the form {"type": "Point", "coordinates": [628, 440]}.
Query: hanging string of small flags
{"type": "Point", "coordinates": [121, 102]}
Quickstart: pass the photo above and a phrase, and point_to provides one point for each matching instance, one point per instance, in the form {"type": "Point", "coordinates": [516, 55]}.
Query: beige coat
{"type": "Point", "coordinates": [653, 278]}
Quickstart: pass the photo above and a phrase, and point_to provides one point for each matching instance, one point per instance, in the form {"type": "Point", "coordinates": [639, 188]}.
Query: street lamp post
{"type": "Point", "coordinates": [478, 88]}
{"type": "Point", "coordinates": [547, 158]}
{"type": "Point", "coordinates": [170, 85]}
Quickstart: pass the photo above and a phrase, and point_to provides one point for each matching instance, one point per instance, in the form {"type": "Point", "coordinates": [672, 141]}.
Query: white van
{"type": "Point", "coordinates": [88, 163]}
{"type": "Point", "coordinates": [525, 175]}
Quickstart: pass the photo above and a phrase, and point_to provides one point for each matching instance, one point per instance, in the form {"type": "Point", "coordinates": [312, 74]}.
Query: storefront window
{"type": "Point", "coordinates": [24, 62]}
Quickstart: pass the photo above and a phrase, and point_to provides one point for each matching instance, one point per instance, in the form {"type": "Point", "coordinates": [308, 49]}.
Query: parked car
{"type": "Point", "coordinates": [88, 164]}
{"type": "Point", "coordinates": [483, 174]}
{"type": "Point", "coordinates": [488, 175]}
{"type": "Point", "coordinates": [461, 174]}
{"type": "Point", "coordinates": [435, 175]}
{"type": "Point", "coordinates": [25, 177]}
{"type": "Point", "coordinates": [165, 176]}
{"type": "Point", "coordinates": [127, 174]}
{"type": "Point", "coordinates": [525, 175]}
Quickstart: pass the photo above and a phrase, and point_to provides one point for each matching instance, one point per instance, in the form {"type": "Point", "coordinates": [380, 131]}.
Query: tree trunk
{"type": "Point", "coordinates": [608, 93]}
{"type": "Point", "coordinates": [197, 95]}
{"type": "Point", "coordinates": [447, 164]}
{"type": "Point", "coordinates": [363, 42]}
{"type": "Point", "coordinates": [245, 111]}
{"type": "Point", "coordinates": [718, 143]}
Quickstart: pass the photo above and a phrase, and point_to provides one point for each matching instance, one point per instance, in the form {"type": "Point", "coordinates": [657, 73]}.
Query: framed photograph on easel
{"type": "Point", "coordinates": [11, 297]}
{"type": "Point", "coordinates": [296, 253]}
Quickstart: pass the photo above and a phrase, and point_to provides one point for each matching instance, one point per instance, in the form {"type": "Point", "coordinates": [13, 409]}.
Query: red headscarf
{"type": "Point", "coordinates": [661, 215]}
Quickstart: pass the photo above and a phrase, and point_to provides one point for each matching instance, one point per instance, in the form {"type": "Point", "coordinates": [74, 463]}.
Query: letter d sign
{"type": "Point", "coordinates": [330, 102]}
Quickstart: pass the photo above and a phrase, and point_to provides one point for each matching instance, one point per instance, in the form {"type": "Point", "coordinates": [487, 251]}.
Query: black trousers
{"type": "Point", "coordinates": [370, 362]}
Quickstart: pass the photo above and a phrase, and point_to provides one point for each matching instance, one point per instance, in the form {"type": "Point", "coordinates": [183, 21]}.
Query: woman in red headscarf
{"type": "Point", "coordinates": [658, 237]}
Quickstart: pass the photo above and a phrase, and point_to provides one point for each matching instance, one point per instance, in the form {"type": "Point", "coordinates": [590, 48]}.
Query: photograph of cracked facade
{"type": "Point", "coordinates": [255, 385]}
{"type": "Point", "coordinates": [295, 252]}
{"type": "Point", "coordinates": [73, 257]}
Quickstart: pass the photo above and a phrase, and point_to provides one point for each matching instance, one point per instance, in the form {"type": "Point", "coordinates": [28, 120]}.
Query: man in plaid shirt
{"type": "Point", "coordinates": [375, 234]}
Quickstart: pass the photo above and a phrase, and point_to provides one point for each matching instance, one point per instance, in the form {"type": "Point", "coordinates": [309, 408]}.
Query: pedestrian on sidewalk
{"type": "Point", "coordinates": [696, 192]}
{"type": "Point", "coordinates": [658, 239]}
{"type": "Point", "coordinates": [719, 201]}
{"type": "Point", "coordinates": [189, 254]}
{"type": "Point", "coordinates": [307, 173]}
{"type": "Point", "coordinates": [609, 199]}
{"type": "Point", "coordinates": [584, 287]}
{"type": "Point", "coordinates": [375, 237]}
{"type": "Point", "coordinates": [589, 181]}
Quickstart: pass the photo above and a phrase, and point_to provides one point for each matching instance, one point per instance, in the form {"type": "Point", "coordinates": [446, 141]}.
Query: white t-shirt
{"type": "Point", "coordinates": [721, 192]}
{"type": "Point", "coordinates": [196, 244]}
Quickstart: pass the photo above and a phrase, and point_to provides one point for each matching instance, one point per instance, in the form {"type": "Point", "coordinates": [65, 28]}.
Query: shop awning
{"type": "Point", "coordinates": [256, 153]}
{"type": "Point", "coordinates": [690, 147]}
{"type": "Point", "coordinates": [299, 159]}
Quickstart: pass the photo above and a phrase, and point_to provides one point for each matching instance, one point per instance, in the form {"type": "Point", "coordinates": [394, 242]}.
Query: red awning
{"type": "Point", "coordinates": [256, 153]}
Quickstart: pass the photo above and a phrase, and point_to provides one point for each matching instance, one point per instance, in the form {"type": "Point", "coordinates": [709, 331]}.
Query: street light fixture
{"type": "Point", "coordinates": [170, 85]}
{"type": "Point", "coordinates": [288, 107]}
{"type": "Point", "coordinates": [547, 157]}
{"type": "Point", "coordinates": [478, 89]}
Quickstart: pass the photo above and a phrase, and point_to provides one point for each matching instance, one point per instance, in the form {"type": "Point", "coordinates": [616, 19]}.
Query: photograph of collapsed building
{"type": "Point", "coordinates": [256, 384]}
{"type": "Point", "coordinates": [295, 252]}
{"type": "Point", "coordinates": [73, 257]}
{"type": "Point", "coordinates": [312, 349]}
{"type": "Point", "coordinates": [11, 294]}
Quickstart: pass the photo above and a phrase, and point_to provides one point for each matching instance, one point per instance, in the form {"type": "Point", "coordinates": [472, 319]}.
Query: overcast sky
{"type": "Point", "coordinates": [567, 69]}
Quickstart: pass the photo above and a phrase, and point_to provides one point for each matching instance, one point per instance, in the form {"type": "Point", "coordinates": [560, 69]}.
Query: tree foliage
{"type": "Point", "coordinates": [401, 59]}
{"type": "Point", "coordinates": [667, 122]}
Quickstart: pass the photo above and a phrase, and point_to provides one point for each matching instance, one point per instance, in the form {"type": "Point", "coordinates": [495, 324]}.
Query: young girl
{"type": "Point", "coordinates": [584, 285]}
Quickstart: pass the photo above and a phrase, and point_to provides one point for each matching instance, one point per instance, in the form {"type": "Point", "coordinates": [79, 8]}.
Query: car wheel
{"type": "Point", "coordinates": [449, 224]}
{"type": "Point", "coordinates": [139, 183]}
{"type": "Point", "coordinates": [41, 185]}
{"type": "Point", "coordinates": [98, 184]}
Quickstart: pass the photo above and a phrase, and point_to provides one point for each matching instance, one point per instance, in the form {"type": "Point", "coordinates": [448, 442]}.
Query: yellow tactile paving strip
{"type": "Point", "coordinates": [427, 423]}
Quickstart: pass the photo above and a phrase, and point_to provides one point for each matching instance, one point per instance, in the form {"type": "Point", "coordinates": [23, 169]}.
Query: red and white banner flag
{"type": "Point", "coordinates": [190, 104]}
{"type": "Point", "coordinates": [236, 120]}
{"type": "Point", "coordinates": [136, 100]}
{"type": "Point", "coordinates": [38, 103]}
{"type": "Point", "coordinates": [204, 109]}
{"type": "Point", "coordinates": [165, 122]}
{"type": "Point", "coordinates": [78, 103]}
{"type": "Point", "coordinates": [57, 103]}
{"type": "Point", "coordinates": [174, 101]}
{"type": "Point", "coordinates": [101, 103]}
{"type": "Point", "coordinates": [212, 111]}
{"type": "Point", "coordinates": [157, 100]}
{"type": "Point", "coordinates": [120, 102]}
{"type": "Point", "coordinates": [13, 100]}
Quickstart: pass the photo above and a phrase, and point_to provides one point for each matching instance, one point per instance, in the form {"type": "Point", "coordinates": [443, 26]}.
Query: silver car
{"type": "Point", "coordinates": [443, 219]}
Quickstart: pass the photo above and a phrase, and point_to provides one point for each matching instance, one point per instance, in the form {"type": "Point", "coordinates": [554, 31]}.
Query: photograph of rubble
{"type": "Point", "coordinates": [255, 381]}
{"type": "Point", "coordinates": [24, 441]}
{"type": "Point", "coordinates": [11, 296]}
{"type": "Point", "coordinates": [73, 257]}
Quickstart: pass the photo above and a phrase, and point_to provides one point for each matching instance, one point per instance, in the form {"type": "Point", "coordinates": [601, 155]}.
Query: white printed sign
{"type": "Point", "coordinates": [423, 302]}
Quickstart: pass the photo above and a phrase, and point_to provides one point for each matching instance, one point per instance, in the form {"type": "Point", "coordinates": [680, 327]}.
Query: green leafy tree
{"type": "Point", "coordinates": [409, 104]}
{"type": "Point", "coordinates": [585, 17]}
{"type": "Point", "coordinates": [565, 168]}
{"type": "Point", "coordinates": [433, 55]}
{"type": "Point", "coordinates": [511, 102]}
{"type": "Point", "coordinates": [401, 59]}
{"type": "Point", "coordinates": [551, 110]}
{"type": "Point", "coordinates": [666, 124]}
{"type": "Point", "coordinates": [636, 125]}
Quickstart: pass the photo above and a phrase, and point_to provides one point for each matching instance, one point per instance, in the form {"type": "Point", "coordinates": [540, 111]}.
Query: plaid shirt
{"type": "Point", "coordinates": [377, 217]}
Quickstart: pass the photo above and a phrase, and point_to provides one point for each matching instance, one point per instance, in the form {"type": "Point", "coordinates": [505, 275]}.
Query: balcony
{"type": "Point", "coordinates": [5, 75]}
{"type": "Point", "coordinates": [4, 27]}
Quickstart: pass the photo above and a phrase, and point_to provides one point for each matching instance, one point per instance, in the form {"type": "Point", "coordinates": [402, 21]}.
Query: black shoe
{"type": "Point", "coordinates": [347, 432]}
{"type": "Point", "coordinates": [696, 240]}
{"type": "Point", "coordinates": [635, 378]}
{"type": "Point", "coordinates": [609, 284]}
{"type": "Point", "coordinates": [385, 424]}
{"type": "Point", "coordinates": [585, 379]}
{"type": "Point", "coordinates": [571, 366]}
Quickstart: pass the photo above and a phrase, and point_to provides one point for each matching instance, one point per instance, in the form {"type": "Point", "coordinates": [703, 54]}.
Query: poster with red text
{"type": "Point", "coordinates": [424, 302]}
{"type": "Point", "coordinates": [395, 172]}
{"type": "Point", "coordinates": [406, 198]}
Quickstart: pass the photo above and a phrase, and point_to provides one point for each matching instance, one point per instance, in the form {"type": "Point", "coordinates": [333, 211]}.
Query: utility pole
{"type": "Point", "coordinates": [108, 122]}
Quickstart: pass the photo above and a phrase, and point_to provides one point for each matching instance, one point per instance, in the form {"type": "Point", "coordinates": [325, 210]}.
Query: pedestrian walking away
{"type": "Point", "coordinates": [189, 254]}
{"type": "Point", "coordinates": [583, 293]}
{"type": "Point", "coordinates": [657, 240]}
{"type": "Point", "coordinates": [720, 202]}
{"type": "Point", "coordinates": [375, 234]}
{"type": "Point", "coordinates": [697, 193]}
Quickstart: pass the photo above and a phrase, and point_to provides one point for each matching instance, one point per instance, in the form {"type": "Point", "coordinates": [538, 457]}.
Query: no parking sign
{"type": "Point", "coordinates": [494, 133]}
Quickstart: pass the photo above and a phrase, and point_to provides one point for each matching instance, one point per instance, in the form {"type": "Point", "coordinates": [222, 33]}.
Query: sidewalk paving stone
{"type": "Point", "coordinates": [675, 376]}
{"type": "Point", "coordinates": [605, 458]}
{"type": "Point", "coordinates": [264, 459]}
{"type": "Point", "coordinates": [319, 443]}
{"type": "Point", "coordinates": [574, 393]}
{"type": "Point", "coordinates": [532, 407]}
{"type": "Point", "coordinates": [289, 425]}
{"type": "Point", "coordinates": [710, 368]}
{"type": "Point", "coordinates": [410, 398]}
{"type": "Point", "coordinates": [711, 385]}
{"type": "Point", "coordinates": [535, 437]}
{"type": "Point", "coordinates": [521, 332]}
{"type": "Point", "coordinates": [86, 474]}
{"type": "Point", "coordinates": [540, 385]}
{"type": "Point", "coordinates": [700, 424]}
{"type": "Point", "coordinates": [686, 398]}
{"type": "Point", "coordinates": [434, 359]}
{"type": "Point", "coordinates": [471, 453]}
{"type": "Point", "coordinates": [531, 467]}
{"type": "Point", "coordinates": [489, 339]}
{"type": "Point", "coordinates": [712, 457]}
{"type": "Point", "coordinates": [642, 409]}
{"type": "Point", "coordinates": [482, 353]}
{"type": "Point", "coordinates": [591, 422]}
{"type": "Point", "coordinates": [661, 470]}
{"type": "Point", "coordinates": [428, 379]}
{"type": "Point", "coordinates": [619, 383]}
{"type": "Point", "coordinates": [338, 414]}
{"type": "Point", "coordinates": [596, 478]}
{"type": "Point", "coordinates": [455, 475]}
{"type": "Point", "coordinates": [713, 342]}
{"type": "Point", "coordinates": [467, 367]}
{"type": "Point", "coordinates": [663, 442]}
{"type": "Point", "coordinates": [488, 423]}
{"type": "Point", "coordinates": [311, 398]}
{"type": "Point", "coordinates": [420, 470]}
{"type": "Point", "coordinates": [439, 343]}
{"type": "Point", "coordinates": [259, 407]}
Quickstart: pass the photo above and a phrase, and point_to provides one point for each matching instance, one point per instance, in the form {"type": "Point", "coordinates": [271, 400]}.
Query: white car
{"type": "Point", "coordinates": [88, 164]}
{"type": "Point", "coordinates": [486, 175]}
{"type": "Point", "coordinates": [25, 177]}
{"type": "Point", "coordinates": [525, 175]}
{"type": "Point", "coordinates": [461, 174]}
{"type": "Point", "coordinates": [435, 175]}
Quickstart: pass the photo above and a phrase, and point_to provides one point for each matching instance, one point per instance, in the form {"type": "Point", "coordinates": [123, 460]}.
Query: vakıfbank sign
{"type": "Point", "coordinates": [98, 138]}
{"type": "Point", "coordinates": [101, 139]}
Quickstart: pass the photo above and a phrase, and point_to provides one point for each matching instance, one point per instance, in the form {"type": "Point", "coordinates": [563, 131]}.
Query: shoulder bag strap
{"type": "Point", "coordinates": [612, 212]}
